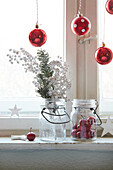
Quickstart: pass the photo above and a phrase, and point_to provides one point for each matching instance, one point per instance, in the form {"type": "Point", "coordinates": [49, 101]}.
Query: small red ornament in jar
{"type": "Point", "coordinates": [80, 25]}
{"type": "Point", "coordinates": [103, 55]}
{"type": "Point", "coordinates": [84, 119]}
{"type": "Point", "coordinates": [109, 6]}
{"type": "Point", "coordinates": [37, 37]}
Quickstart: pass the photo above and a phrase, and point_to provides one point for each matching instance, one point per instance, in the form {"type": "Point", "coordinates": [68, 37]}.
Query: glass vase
{"type": "Point", "coordinates": [52, 123]}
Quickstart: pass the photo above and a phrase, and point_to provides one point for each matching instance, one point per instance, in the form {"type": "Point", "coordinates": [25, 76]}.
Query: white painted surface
{"type": "Point", "coordinates": [67, 141]}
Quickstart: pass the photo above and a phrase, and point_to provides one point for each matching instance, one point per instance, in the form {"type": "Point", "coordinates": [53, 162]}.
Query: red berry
{"type": "Point", "coordinates": [83, 134]}
{"type": "Point", "coordinates": [82, 122]}
{"type": "Point", "coordinates": [88, 136]}
{"type": "Point", "coordinates": [78, 135]}
{"type": "Point", "coordinates": [75, 126]}
{"type": "Point", "coordinates": [83, 129]}
{"type": "Point", "coordinates": [88, 127]}
{"type": "Point", "coordinates": [74, 133]}
{"type": "Point", "coordinates": [92, 133]}
{"type": "Point", "coordinates": [91, 120]}
{"type": "Point", "coordinates": [78, 127]}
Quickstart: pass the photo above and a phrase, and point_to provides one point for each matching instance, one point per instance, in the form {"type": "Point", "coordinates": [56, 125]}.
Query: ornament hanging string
{"type": "Point", "coordinates": [37, 13]}
{"type": "Point", "coordinates": [79, 7]}
{"type": "Point", "coordinates": [104, 29]}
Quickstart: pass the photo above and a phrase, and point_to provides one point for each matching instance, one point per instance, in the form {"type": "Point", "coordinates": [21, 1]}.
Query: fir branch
{"type": "Point", "coordinates": [45, 72]}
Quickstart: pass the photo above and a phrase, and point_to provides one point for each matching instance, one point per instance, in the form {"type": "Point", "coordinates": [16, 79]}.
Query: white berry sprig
{"type": "Point", "coordinates": [50, 78]}
{"type": "Point", "coordinates": [59, 79]}
{"type": "Point", "coordinates": [29, 62]}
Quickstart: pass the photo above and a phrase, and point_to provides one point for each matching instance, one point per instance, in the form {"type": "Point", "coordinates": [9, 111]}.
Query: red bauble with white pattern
{"type": "Point", "coordinates": [109, 6]}
{"type": "Point", "coordinates": [37, 37]}
{"type": "Point", "coordinates": [80, 25]}
{"type": "Point", "coordinates": [103, 55]}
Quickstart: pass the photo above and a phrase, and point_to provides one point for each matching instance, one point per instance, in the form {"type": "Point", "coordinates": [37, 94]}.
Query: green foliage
{"type": "Point", "coordinates": [45, 72]}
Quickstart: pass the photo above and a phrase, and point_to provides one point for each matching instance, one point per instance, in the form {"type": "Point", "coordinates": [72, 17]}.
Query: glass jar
{"type": "Point", "coordinates": [84, 119]}
{"type": "Point", "coordinates": [52, 121]}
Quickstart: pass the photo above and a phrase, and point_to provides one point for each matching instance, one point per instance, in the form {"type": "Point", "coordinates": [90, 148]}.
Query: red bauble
{"type": "Point", "coordinates": [37, 37]}
{"type": "Point", "coordinates": [80, 25]}
{"type": "Point", "coordinates": [103, 55]}
{"type": "Point", "coordinates": [109, 6]}
{"type": "Point", "coordinates": [31, 135]}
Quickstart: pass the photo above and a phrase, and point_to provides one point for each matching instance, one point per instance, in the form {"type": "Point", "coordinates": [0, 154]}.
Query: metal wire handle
{"type": "Point", "coordinates": [94, 112]}
{"type": "Point", "coordinates": [55, 115]}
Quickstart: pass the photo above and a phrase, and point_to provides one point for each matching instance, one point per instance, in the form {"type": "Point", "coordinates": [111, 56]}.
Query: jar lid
{"type": "Point", "coordinates": [82, 103]}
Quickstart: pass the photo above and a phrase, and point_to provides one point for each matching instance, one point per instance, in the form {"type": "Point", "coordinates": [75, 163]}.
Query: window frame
{"type": "Point", "coordinates": [10, 124]}
{"type": "Point", "coordinates": [104, 111]}
{"type": "Point", "coordinates": [87, 66]}
{"type": "Point", "coordinates": [80, 57]}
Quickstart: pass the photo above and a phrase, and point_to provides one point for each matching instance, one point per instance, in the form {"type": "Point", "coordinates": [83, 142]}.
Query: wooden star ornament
{"type": "Point", "coordinates": [15, 111]}
{"type": "Point", "coordinates": [108, 127]}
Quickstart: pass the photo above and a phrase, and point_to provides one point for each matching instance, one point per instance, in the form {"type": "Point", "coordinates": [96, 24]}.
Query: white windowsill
{"type": "Point", "coordinates": [99, 144]}
{"type": "Point", "coordinates": [67, 141]}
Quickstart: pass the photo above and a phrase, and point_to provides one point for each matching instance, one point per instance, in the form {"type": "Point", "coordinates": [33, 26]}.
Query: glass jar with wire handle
{"type": "Point", "coordinates": [84, 120]}
{"type": "Point", "coordinates": [53, 119]}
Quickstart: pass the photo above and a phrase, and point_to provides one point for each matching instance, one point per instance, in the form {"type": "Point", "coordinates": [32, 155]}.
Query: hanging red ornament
{"type": "Point", "coordinates": [109, 6]}
{"type": "Point", "coordinates": [103, 55]}
{"type": "Point", "coordinates": [37, 37]}
{"type": "Point", "coordinates": [80, 25]}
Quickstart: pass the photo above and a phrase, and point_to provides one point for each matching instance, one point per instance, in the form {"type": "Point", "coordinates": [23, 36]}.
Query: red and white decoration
{"type": "Point", "coordinates": [109, 6]}
{"type": "Point", "coordinates": [80, 25]}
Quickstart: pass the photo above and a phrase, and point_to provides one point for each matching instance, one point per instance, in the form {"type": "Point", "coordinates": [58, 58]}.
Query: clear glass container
{"type": "Point", "coordinates": [84, 119]}
{"type": "Point", "coordinates": [52, 125]}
